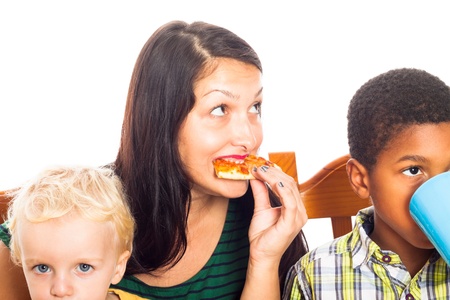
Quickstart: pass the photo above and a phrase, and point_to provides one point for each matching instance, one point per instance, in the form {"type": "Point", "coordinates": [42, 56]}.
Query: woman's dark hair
{"type": "Point", "coordinates": [389, 103]}
{"type": "Point", "coordinates": [160, 96]}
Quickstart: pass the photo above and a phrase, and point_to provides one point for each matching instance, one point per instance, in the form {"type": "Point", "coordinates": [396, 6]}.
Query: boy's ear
{"type": "Point", "coordinates": [359, 178]}
{"type": "Point", "coordinates": [120, 267]}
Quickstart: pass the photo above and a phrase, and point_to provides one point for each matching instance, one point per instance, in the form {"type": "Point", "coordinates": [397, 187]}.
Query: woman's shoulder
{"type": "Point", "coordinates": [12, 283]}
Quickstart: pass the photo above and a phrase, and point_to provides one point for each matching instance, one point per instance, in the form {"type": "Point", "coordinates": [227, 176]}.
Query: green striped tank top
{"type": "Point", "coordinates": [222, 277]}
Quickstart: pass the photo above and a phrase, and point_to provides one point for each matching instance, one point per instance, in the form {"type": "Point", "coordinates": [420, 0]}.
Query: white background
{"type": "Point", "coordinates": [65, 68]}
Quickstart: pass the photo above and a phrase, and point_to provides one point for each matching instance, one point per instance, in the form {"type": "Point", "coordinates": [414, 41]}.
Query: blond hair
{"type": "Point", "coordinates": [95, 194]}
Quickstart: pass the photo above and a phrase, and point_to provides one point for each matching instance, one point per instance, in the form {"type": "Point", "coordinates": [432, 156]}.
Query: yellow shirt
{"type": "Point", "coordinates": [124, 295]}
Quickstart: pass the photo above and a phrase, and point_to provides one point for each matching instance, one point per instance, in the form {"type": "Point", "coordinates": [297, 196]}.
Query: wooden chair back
{"type": "Point", "coordinates": [4, 202]}
{"type": "Point", "coordinates": [328, 193]}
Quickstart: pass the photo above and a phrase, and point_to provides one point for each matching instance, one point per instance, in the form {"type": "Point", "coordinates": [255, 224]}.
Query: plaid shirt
{"type": "Point", "coordinates": [354, 267]}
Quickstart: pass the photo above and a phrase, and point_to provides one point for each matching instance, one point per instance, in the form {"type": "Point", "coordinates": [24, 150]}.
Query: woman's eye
{"type": "Point", "coordinates": [42, 269]}
{"type": "Point", "coordinates": [84, 267]}
{"type": "Point", "coordinates": [256, 108]}
{"type": "Point", "coordinates": [218, 111]}
{"type": "Point", "coordinates": [412, 171]}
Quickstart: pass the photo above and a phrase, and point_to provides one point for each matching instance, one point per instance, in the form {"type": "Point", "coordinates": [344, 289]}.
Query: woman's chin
{"type": "Point", "coordinates": [235, 188]}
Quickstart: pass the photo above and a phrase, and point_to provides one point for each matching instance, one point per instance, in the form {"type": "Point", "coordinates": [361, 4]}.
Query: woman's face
{"type": "Point", "coordinates": [225, 121]}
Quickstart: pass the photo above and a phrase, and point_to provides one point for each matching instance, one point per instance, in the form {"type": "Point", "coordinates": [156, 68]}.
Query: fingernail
{"type": "Point", "coordinates": [280, 184]}
{"type": "Point", "coordinates": [264, 168]}
{"type": "Point", "coordinates": [255, 169]}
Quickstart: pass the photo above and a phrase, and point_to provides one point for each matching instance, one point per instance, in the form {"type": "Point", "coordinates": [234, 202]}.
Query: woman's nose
{"type": "Point", "coordinates": [245, 134]}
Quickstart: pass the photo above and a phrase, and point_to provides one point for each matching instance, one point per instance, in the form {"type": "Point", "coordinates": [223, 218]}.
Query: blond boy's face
{"type": "Point", "coordinates": [70, 257]}
{"type": "Point", "coordinates": [417, 154]}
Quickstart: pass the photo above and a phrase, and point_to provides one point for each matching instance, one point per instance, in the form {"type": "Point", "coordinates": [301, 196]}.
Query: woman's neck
{"type": "Point", "coordinates": [205, 223]}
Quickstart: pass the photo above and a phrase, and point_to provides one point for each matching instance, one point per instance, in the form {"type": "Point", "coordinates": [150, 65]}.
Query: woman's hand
{"type": "Point", "coordinates": [272, 230]}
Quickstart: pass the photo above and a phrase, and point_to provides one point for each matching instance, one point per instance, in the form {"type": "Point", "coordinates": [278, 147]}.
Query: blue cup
{"type": "Point", "coordinates": [430, 209]}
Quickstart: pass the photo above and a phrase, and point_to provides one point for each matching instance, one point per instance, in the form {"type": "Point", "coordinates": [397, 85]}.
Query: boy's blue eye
{"type": "Point", "coordinates": [42, 268]}
{"type": "Point", "coordinates": [412, 171]}
{"type": "Point", "coordinates": [84, 267]}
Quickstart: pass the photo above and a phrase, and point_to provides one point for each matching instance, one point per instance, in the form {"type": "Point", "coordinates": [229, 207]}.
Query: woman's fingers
{"type": "Point", "coordinates": [260, 194]}
{"type": "Point", "coordinates": [285, 187]}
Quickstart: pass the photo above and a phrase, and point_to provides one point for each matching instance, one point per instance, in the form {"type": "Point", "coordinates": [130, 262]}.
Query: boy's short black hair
{"type": "Point", "coordinates": [390, 102]}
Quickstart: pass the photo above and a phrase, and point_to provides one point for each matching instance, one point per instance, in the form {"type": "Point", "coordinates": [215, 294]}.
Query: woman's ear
{"type": "Point", "coordinates": [358, 177]}
{"type": "Point", "coordinates": [120, 267]}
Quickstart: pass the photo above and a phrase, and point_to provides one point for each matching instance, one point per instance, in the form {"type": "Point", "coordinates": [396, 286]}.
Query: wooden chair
{"type": "Point", "coordinates": [4, 202]}
{"type": "Point", "coordinates": [328, 193]}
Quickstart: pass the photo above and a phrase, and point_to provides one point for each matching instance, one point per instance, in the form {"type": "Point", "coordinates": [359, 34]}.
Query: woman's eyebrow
{"type": "Point", "coordinates": [225, 92]}
{"type": "Point", "coordinates": [230, 94]}
{"type": "Point", "coordinates": [259, 92]}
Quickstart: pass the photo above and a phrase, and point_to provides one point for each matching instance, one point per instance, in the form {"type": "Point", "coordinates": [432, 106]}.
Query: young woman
{"type": "Point", "coordinates": [196, 95]}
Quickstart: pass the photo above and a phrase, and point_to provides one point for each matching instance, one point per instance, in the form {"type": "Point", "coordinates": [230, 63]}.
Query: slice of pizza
{"type": "Point", "coordinates": [239, 169]}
